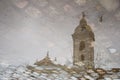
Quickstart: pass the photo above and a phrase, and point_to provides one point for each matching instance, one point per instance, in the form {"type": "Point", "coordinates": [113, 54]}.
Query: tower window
{"type": "Point", "coordinates": [82, 57]}
{"type": "Point", "coordinates": [82, 45]}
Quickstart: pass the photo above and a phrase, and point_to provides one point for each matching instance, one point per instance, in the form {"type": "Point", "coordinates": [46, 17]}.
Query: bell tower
{"type": "Point", "coordinates": [83, 49]}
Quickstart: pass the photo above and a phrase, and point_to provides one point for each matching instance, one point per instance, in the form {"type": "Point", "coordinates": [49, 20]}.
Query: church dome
{"type": "Point", "coordinates": [82, 25]}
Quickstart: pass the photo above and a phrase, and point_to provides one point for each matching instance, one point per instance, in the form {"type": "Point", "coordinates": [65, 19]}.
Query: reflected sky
{"type": "Point", "coordinates": [30, 28]}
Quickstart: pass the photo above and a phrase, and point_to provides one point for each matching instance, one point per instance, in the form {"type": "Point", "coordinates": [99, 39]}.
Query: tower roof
{"type": "Point", "coordinates": [84, 28]}
{"type": "Point", "coordinates": [83, 25]}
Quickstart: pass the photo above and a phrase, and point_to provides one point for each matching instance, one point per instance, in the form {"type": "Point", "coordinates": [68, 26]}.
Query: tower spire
{"type": "Point", "coordinates": [55, 59]}
{"type": "Point", "coordinates": [83, 14]}
{"type": "Point", "coordinates": [47, 53]}
{"type": "Point", "coordinates": [83, 21]}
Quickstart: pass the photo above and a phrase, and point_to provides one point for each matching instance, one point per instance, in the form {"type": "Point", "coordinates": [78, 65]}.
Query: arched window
{"type": "Point", "coordinates": [82, 45]}
{"type": "Point", "coordinates": [82, 57]}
